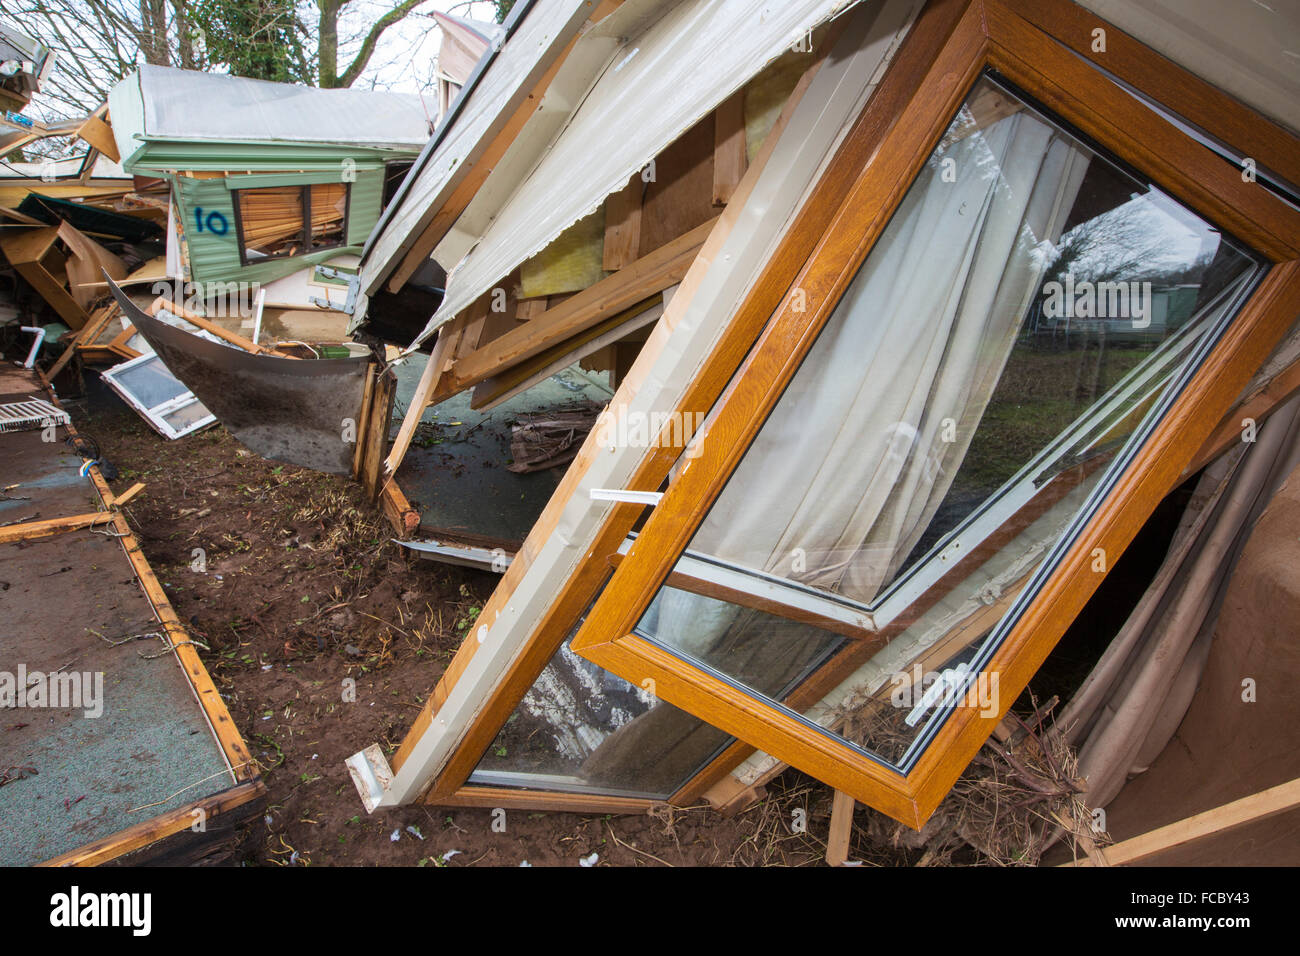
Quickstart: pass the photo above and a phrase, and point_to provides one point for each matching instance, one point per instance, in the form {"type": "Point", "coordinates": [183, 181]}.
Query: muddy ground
{"type": "Point", "coordinates": [291, 580]}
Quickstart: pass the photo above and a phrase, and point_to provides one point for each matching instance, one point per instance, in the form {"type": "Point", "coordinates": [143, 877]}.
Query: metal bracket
{"type": "Point", "coordinates": [354, 283]}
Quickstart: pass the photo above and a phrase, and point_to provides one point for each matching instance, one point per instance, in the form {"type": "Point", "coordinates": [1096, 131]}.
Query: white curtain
{"type": "Point", "coordinates": [850, 467]}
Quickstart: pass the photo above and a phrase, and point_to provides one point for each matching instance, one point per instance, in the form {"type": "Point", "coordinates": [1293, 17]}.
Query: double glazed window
{"type": "Point", "coordinates": [276, 222]}
{"type": "Point", "coordinates": [148, 386]}
{"type": "Point", "coordinates": [986, 348]}
{"type": "Point", "coordinates": [1028, 314]}
{"type": "Point", "coordinates": [1028, 307]}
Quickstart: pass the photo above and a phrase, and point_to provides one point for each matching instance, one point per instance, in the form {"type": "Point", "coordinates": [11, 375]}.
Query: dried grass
{"type": "Point", "coordinates": [1015, 799]}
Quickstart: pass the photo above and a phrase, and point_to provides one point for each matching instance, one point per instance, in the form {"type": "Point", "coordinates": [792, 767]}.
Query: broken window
{"type": "Point", "coordinates": [275, 222]}
{"type": "Point", "coordinates": [147, 385]}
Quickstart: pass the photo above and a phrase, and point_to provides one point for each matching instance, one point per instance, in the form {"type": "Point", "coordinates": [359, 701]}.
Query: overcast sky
{"type": "Point", "coordinates": [403, 60]}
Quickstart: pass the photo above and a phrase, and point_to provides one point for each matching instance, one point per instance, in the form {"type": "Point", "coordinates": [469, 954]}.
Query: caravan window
{"type": "Point", "coordinates": [276, 222]}
{"type": "Point", "coordinates": [1026, 318]}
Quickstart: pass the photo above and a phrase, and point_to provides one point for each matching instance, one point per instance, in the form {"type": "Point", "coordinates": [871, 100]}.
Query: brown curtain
{"type": "Point", "coordinates": [1129, 707]}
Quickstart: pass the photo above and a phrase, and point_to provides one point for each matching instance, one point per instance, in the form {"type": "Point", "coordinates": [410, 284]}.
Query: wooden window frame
{"type": "Point", "coordinates": [305, 190]}
{"type": "Point", "coordinates": [947, 47]}
{"type": "Point", "coordinates": [989, 36]}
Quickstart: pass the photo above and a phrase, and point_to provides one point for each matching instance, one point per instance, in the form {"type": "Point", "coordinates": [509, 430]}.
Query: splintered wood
{"type": "Point", "coordinates": [551, 438]}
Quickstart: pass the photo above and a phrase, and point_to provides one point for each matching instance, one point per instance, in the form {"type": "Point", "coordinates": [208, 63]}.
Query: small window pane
{"type": "Point", "coordinates": [271, 221]}
{"type": "Point", "coordinates": [329, 204]}
{"type": "Point", "coordinates": [150, 383]}
{"type": "Point", "coordinates": [187, 417]}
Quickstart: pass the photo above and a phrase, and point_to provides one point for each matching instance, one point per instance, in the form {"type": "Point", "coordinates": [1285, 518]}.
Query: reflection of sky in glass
{"type": "Point", "coordinates": [1173, 237]}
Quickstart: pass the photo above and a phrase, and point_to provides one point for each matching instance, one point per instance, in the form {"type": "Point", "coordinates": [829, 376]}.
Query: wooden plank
{"type": "Point", "coordinates": [376, 441]}
{"type": "Point", "coordinates": [730, 796]}
{"type": "Point", "coordinates": [397, 509]}
{"type": "Point", "coordinates": [448, 336]}
{"type": "Point", "coordinates": [48, 286]}
{"type": "Point", "coordinates": [529, 309]}
{"type": "Point", "coordinates": [1257, 806]}
{"type": "Point", "coordinates": [679, 196]}
{"type": "Point", "coordinates": [43, 529]}
{"type": "Point", "coordinates": [729, 152]}
{"type": "Point", "coordinates": [148, 832]}
{"type": "Point", "coordinates": [118, 500]}
{"type": "Point", "coordinates": [87, 263]}
{"type": "Point", "coordinates": [363, 425]}
{"type": "Point", "coordinates": [625, 353]}
{"type": "Point", "coordinates": [841, 830]}
{"type": "Point", "coordinates": [623, 225]}
{"type": "Point", "coordinates": [474, 325]}
{"type": "Point", "coordinates": [518, 378]}
{"type": "Point", "coordinates": [20, 217]}
{"type": "Point", "coordinates": [29, 245]}
{"type": "Point", "coordinates": [648, 275]}
{"type": "Point", "coordinates": [72, 343]}
{"type": "Point", "coordinates": [160, 303]}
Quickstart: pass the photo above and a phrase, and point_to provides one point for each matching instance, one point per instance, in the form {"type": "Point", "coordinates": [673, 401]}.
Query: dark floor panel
{"type": "Point", "coordinates": [39, 480]}
{"type": "Point", "coordinates": [461, 483]}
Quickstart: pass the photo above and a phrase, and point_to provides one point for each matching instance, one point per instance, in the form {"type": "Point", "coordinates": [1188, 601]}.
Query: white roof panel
{"type": "Point", "coordinates": [657, 83]}
{"type": "Point", "coordinates": [193, 106]}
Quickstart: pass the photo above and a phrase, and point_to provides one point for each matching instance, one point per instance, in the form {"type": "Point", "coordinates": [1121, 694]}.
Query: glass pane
{"type": "Point", "coordinates": [329, 204]}
{"type": "Point", "coordinates": [1027, 306]}
{"type": "Point", "coordinates": [270, 221]}
{"type": "Point", "coordinates": [150, 383]}
{"type": "Point", "coordinates": [187, 416]}
{"type": "Point", "coordinates": [581, 729]}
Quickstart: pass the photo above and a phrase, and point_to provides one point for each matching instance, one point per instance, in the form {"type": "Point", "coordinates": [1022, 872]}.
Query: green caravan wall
{"type": "Point", "coordinates": [154, 157]}
{"type": "Point", "coordinates": [214, 257]}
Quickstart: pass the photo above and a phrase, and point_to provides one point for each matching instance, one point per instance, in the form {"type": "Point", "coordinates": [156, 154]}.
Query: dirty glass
{"type": "Point", "coordinates": [581, 729]}
{"type": "Point", "coordinates": [149, 383]}
{"type": "Point", "coordinates": [1028, 313]}
{"type": "Point", "coordinates": [188, 416]}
